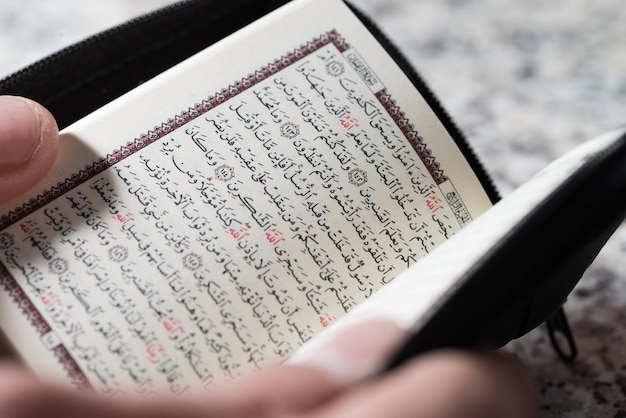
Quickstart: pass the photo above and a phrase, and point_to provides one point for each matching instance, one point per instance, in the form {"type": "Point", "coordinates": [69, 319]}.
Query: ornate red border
{"type": "Point", "coordinates": [172, 124]}
{"type": "Point", "coordinates": [10, 284]}
{"type": "Point", "coordinates": [411, 134]}
{"type": "Point", "coordinates": [29, 310]}
{"type": "Point", "coordinates": [158, 132]}
{"type": "Point", "coordinates": [199, 109]}
{"type": "Point", "coordinates": [24, 303]}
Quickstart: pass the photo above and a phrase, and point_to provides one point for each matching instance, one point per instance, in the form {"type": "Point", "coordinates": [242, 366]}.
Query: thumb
{"type": "Point", "coordinates": [357, 352]}
{"type": "Point", "coordinates": [28, 145]}
{"type": "Point", "coordinates": [309, 381]}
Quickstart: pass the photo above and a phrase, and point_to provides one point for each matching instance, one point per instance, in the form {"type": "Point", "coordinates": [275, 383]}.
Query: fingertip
{"type": "Point", "coordinates": [357, 352]}
{"type": "Point", "coordinates": [16, 388]}
{"type": "Point", "coordinates": [29, 141]}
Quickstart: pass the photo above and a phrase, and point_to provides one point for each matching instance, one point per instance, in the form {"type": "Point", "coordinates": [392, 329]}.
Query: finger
{"type": "Point", "coordinates": [357, 352]}
{"type": "Point", "coordinates": [313, 380]}
{"type": "Point", "coordinates": [23, 396]}
{"type": "Point", "coordinates": [266, 394]}
{"type": "Point", "coordinates": [270, 393]}
{"type": "Point", "coordinates": [28, 145]}
{"type": "Point", "coordinates": [440, 385]}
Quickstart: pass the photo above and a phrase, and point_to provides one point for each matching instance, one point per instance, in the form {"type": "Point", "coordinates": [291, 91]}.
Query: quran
{"type": "Point", "coordinates": [292, 178]}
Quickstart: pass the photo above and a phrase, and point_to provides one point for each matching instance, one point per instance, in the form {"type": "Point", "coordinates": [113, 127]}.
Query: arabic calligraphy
{"type": "Point", "coordinates": [236, 238]}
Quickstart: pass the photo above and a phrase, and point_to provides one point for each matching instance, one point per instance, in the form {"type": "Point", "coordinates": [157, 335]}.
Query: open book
{"type": "Point", "coordinates": [291, 179]}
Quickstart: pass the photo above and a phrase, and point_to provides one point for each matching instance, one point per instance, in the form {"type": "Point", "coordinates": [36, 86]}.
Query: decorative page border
{"type": "Point", "coordinates": [411, 134]}
{"type": "Point", "coordinates": [29, 310]}
{"type": "Point", "coordinates": [19, 296]}
{"type": "Point", "coordinates": [211, 102]}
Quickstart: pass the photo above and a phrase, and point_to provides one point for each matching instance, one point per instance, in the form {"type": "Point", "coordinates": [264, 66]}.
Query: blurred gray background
{"type": "Point", "coordinates": [525, 80]}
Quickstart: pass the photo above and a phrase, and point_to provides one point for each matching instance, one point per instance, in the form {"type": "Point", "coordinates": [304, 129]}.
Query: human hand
{"type": "Point", "coordinates": [333, 383]}
{"type": "Point", "coordinates": [443, 384]}
{"type": "Point", "coordinates": [28, 145]}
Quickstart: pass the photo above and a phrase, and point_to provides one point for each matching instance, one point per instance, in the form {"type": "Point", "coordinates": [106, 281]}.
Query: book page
{"type": "Point", "coordinates": [403, 301]}
{"type": "Point", "coordinates": [223, 214]}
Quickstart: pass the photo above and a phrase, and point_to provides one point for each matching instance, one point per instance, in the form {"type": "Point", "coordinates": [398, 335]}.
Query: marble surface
{"type": "Point", "coordinates": [526, 80]}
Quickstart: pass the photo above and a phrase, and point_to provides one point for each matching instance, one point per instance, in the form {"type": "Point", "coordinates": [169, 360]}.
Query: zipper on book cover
{"type": "Point", "coordinates": [85, 76]}
{"type": "Point", "coordinates": [21, 82]}
{"type": "Point", "coordinates": [433, 102]}
{"type": "Point", "coordinates": [560, 334]}
{"type": "Point", "coordinates": [561, 337]}
{"type": "Point", "coordinates": [41, 65]}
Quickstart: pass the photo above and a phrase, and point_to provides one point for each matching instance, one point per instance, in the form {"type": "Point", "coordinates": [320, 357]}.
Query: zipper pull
{"type": "Point", "coordinates": [561, 336]}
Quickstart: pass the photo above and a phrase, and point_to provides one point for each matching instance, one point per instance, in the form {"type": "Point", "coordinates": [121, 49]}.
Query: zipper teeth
{"type": "Point", "coordinates": [422, 86]}
{"type": "Point", "coordinates": [86, 43]}
{"type": "Point", "coordinates": [468, 152]}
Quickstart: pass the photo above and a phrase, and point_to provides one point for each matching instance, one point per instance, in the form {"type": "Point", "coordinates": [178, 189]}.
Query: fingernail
{"type": "Point", "coordinates": [358, 352]}
{"type": "Point", "coordinates": [20, 131]}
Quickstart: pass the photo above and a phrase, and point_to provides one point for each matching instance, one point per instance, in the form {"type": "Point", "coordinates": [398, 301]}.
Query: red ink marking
{"type": "Point", "coordinates": [172, 325]}
{"type": "Point", "coordinates": [156, 352]}
{"type": "Point", "coordinates": [50, 299]}
{"type": "Point", "coordinates": [239, 234]}
{"type": "Point", "coordinates": [124, 219]}
{"type": "Point", "coordinates": [274, 236]}
{"type": "Point", "coordinates": [433, 203]}
{"type": "Point", "coordinates": [349, 122]}
{"type": "Point", "coordinates": [29, 227]}
{"type": "Point", "coordinates": [326, 320]}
